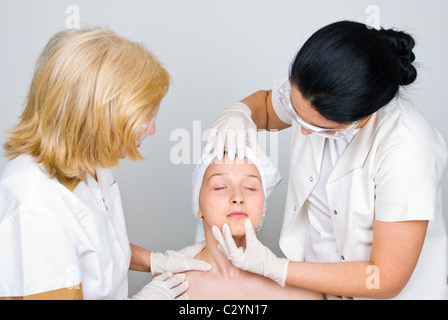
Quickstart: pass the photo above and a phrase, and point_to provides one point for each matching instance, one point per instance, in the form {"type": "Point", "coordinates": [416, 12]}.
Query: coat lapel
{"type": "Point", "coordinates": [356, 153]}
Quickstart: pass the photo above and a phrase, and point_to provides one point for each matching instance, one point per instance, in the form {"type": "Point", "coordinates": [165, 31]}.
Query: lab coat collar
{"type": "Point", "coordinates": [317, 145]}
{"type": "Point", "coordinates": [357, 150]}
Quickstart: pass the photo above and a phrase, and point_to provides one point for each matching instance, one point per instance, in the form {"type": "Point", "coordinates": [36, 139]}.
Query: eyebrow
{"type": "Point", "coordinates": [226, 174]}
{"type": "Point", "coordinates": [253, 176]}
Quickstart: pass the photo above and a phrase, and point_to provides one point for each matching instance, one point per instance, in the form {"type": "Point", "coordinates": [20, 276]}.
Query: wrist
{"type": "Point", "coordinates": [140, 259]}
{"type": "Point", "coordinates": [154, 262]}
{"type": "Point", "coordinates": [241, 107]}
{"type": "Point", "coordinates": [278, 271]}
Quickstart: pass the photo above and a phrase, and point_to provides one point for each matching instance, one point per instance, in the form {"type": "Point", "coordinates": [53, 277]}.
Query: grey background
{"type": "Point", "coordinates": [217, 52]}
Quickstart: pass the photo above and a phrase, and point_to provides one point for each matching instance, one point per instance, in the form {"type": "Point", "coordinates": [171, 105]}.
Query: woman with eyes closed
{"type": "Point", "coordinates": [230, 194]}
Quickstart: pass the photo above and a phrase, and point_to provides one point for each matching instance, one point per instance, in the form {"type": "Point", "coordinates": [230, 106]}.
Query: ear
{"type": "Point", "coordinates": [199, 215]}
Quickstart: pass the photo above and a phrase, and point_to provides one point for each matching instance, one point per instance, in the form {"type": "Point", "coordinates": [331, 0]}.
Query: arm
{"type": "Point", "coordinates": [263, 114]}
{"type": "Point", "coordinates": [170, 261]}
{"type": "Point", "coordinates": [396, 247]}
{"type": "Point", "coordinates": [140, 259]}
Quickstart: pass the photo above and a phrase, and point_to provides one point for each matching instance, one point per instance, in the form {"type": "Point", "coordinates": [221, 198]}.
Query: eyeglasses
{"type": "Point", "coordinates": [145, 130]}
{"type": "Point", "coordinates": [285, 98]}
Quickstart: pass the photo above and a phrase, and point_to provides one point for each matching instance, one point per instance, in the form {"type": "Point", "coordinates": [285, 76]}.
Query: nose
{"type": "Point", "coordinates": [305, 132]}
{"type": "Point", "coordinates": [237, 197]}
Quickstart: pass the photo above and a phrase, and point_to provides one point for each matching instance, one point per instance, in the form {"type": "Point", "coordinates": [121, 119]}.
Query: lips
{"type": "Point", "coordinates": [237, 215]}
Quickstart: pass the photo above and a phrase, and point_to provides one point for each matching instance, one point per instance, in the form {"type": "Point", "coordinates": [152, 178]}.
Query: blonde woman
{"type": "Point", "coordinates": [93, 99]}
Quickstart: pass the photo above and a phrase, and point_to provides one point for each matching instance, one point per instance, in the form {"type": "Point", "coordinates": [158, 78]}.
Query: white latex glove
{"type": "Point", "coordinates": [177, 261]}
{"type": "Point", "coordinates": [256, 258]}
{"type": "Point", "coordinates": [164, 287]}
{"type": "Point", "coordinates": [229, 132]}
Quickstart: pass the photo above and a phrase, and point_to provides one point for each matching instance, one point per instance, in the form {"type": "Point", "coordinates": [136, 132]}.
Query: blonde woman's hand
{"type": "Point", "coordinates": [165, 286]}
{"type": "Point", "coordinates": [178, 261]}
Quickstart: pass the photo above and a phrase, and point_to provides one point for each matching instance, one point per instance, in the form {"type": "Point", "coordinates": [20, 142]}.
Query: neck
{"type": "Point", "coordinates": [221, 266]}
{"type": "Point", "coordinates": [93, 174]}
{"type": "Point", "coordinates": [363, 122]}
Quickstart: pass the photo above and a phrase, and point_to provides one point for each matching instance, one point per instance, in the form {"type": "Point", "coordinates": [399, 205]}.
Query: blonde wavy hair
{"type": "Point", "coordinates": [90, 96]}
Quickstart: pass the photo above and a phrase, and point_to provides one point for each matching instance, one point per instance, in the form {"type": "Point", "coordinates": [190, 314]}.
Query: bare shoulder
{"type": "Point", "coordinates": [203, 286]}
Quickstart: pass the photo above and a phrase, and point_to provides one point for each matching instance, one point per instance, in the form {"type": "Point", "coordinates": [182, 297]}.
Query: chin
{"type": "Point", "coordinates": [237, 228]}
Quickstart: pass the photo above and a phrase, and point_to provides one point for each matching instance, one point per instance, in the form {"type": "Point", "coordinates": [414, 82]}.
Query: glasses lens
{"type": "Point", "coordinates": [146, 129]}
{"type": "Point", "coordinates": [285, 98]}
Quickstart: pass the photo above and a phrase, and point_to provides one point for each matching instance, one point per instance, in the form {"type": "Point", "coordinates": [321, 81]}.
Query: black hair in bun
{"type": "Point", "coordinates": [402, 44]}
{"type": "Point", "coordinates": [348, 71]}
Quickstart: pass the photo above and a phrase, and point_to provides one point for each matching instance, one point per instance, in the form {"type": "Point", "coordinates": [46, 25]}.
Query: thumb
{"type": "Point", "coordinates": [198, 265]}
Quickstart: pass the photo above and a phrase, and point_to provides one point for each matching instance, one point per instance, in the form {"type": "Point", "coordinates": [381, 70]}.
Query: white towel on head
{"type": "Point", "coordinates": [270, 178]}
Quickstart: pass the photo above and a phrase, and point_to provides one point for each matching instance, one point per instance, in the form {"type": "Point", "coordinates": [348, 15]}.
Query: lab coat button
{"type": "Point", "coordinates": [342, 258]}
{"type": "Point", "coordinates": [335, 212]}
{"type": "Point", "coordinates": [105, 205]}
{"type": "Point", "coordinates": [311, 179]}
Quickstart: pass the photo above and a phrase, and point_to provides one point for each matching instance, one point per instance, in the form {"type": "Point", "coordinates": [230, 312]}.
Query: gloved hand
{"type": "Point", "coordinates": [230, 130]}
{"type": "Point", "coordinates": [164, 287]}
{"type": "Point", "coordinates": [256, 258]}
{"type": "Point", "coordinates": [178, 261]}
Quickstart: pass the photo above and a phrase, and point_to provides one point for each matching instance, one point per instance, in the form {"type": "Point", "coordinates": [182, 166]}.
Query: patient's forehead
{"type": "Point", "coordinates": [237, 166]}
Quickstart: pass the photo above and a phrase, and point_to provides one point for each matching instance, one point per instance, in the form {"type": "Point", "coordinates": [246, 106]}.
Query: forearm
{"type": "Point", "coordinates": [140, 259]}
{"type": "Point", "coordinates": [263, 114]}
{"type": "Point", "coordinates": [396, 248]}
{"type": "Point", "coordinates": [257, 104]}
{"type": "Point", "coordinates": [348, 279]}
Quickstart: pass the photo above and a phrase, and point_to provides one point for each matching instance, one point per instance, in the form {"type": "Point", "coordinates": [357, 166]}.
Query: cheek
{"type": "Point", "coordinates": [305, 132]}
{"type": "Point", "coordinates": [256, 209]}
{"type": "Point", "coordinates": [123, 153]}
{"type": "Point", "coordinates": [210, 205]}
{"type": "Point", "coordinates": [257, 202]}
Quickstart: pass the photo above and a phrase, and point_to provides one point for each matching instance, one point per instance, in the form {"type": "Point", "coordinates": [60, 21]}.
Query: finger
{"type": "Point", "coordinates": [231, 145]}
{"type": "Point", "coordinates": [163, 276]}
{"type": "Point", "coordinates": [229, 241]}
{"type": "Point", "coordinates": [175, 280]}
{"type": "Point", "coordinates": [197, 265]}
{"type": "Point", "coordinates": [241, 143]}
{"type": "Point", "coordinates": [251, 237]}
{"type": "Point", "coordinates": [219, 144]}
{"type": "Point", "coordinates": [218, 236]}
{"type": "Point", "coordinates": [210, 144]}
{"type": "Point", "coordinates": [183, 297]}
{"type": "Point", "coordinates": [252, 138]}
{"type": "Point", "coordinates": [177, 291]}
{"type": "Point", "coordinates": [222, 249]}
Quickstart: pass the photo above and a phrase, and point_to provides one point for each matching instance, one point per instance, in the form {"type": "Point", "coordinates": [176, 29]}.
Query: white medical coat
{"type": "Point", "coordinates": [51, 239]}
{"type": "Point", "coordinates": [391, 171]}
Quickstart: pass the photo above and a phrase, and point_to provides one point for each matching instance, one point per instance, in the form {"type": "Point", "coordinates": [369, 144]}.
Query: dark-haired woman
{"type": "Point", "coordinates": [363, 214]}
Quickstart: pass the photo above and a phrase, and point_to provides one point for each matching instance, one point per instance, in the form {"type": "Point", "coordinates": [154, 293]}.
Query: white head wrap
{"type": "Point", "coordinates": [270, 178]}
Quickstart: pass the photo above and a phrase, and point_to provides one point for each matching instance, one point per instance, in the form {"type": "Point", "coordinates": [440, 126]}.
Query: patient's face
{"type": "Point", "coordinates": [231, 192]}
